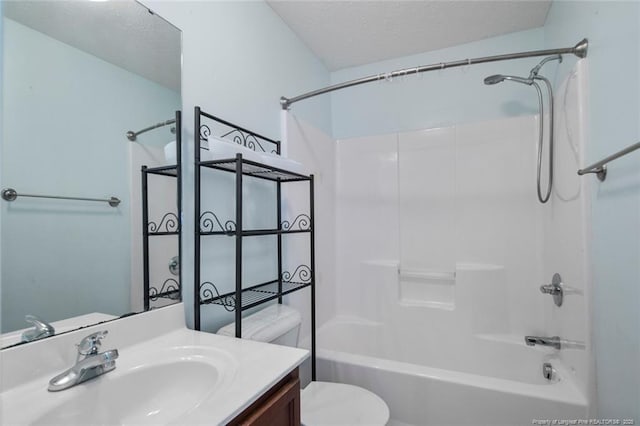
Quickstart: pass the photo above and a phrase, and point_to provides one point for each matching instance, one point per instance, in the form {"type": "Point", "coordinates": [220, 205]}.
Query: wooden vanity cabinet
{"type": "Point", "coordinates": [279, 406]}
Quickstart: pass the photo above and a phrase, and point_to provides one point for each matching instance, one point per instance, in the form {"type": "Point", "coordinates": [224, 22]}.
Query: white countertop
{"type": "Point", "coordinates": [248, 368]}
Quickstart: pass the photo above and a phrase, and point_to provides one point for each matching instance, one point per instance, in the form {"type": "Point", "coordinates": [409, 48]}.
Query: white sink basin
{"type": "Point", "coordinates": [110, 402]}
{"type": "Point", "coordinates": [146, 388]}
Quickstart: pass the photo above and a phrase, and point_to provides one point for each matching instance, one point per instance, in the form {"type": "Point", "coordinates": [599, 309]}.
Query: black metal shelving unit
{"type": "Point", "coordinates": [168, 225]}
{"type": "Point", "coordinates": [208, 224]}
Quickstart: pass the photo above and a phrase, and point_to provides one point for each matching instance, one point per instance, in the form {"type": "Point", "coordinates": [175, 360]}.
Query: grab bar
{"type": "Point", "coordinates": [600, 168]}
{"type": "Point", "coordinates": [10, 194]}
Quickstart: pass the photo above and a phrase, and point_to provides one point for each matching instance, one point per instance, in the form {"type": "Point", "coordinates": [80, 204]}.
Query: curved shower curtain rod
{"type": "Point", "coordinates": [580, 50]}
{"type": "Point", "coordinates": [132, 136]}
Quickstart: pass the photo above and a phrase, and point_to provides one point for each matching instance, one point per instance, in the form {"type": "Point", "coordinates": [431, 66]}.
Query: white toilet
{"type": "Point", "coordinates": [322, 403]}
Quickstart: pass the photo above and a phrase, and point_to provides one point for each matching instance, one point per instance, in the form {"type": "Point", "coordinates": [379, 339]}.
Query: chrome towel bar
{"type": "Point", "coordinates": [10, 194]}
{"type": "Point", "coordinates": [600, 168]}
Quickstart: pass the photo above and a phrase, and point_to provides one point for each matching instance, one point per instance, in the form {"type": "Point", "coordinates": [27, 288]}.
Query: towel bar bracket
{"type": "Point", "coordinates": [600, 172]}
{"type": "Point", "coordinates": [600, 168]}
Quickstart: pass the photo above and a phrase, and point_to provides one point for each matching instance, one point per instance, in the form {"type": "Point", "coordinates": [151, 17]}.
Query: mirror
{"type": "Point", "coordinates": [77, 76]}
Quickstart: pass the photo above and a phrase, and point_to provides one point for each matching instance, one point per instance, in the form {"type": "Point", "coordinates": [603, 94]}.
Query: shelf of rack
{"type": "Point", "coordinates": [255, 169]}
{"type": "Point", "coordinates": [251, 296]}
{"type": "Point", "coordinates": [171, 171]}
{"type": "Point", "coordinates": [156, 234]}
{"type": "Point", "coordinates": [208, 221]}
{"type": "Point", "coordinates": [257, 232]}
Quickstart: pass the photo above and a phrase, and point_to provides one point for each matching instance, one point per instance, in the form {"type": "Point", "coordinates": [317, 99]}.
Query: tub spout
{"type": "Point", "coordinates": [554, 341]}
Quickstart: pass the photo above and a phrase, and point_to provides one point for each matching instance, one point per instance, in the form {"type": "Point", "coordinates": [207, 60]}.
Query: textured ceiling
{"type": "Point", "coordinates": [349, 33]}
{"type": "Point", "coordinates": [123, 33]}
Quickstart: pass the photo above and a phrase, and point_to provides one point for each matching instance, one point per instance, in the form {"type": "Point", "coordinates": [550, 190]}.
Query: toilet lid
{"type": "Point", "coordinates": [324, 403]}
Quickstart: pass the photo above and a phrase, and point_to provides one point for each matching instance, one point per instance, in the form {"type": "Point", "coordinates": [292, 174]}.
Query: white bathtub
{"type": "Point", "coordinates": [484, 380]}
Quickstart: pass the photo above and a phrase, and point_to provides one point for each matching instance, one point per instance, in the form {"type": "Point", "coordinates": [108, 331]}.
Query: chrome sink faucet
{"type": "Point", "coordinates": [89, 363]}
{"type": "Point", "coordinates": [554, 341]}
{"type": "Point", "coordinates": [40, 330]}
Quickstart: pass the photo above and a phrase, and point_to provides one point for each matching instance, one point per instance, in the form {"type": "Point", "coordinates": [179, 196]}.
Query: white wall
{"type": "Point", "coordinates": [59, 140]}
{"type": "Point", "coordinates": [238, 59]}
{"type": "Point", "coordinates": [613, 29]}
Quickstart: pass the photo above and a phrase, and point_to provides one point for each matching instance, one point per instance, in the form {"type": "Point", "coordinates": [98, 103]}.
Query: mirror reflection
{"type": "Point", "coordinates": [83, 110]}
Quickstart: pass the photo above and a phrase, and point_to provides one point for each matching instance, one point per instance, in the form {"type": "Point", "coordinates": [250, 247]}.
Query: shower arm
{"type": "Point", "coordinates": [580, 50]}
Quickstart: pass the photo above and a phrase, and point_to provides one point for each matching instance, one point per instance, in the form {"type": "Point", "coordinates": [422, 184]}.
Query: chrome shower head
{"type": "Point", "coordinates": [494, 79]}
{"type": "Point", "coordinates": [499, 78]}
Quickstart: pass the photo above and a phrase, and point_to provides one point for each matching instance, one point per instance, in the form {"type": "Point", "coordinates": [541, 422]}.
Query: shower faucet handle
{"type": "Point", "coordinates": [554, 289]}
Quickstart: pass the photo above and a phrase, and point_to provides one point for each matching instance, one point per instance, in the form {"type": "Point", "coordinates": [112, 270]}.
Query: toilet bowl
{"type": "Point", "coordinates": [322, 403]}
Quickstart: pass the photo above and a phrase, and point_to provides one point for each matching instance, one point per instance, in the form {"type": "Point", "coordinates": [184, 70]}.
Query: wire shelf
{"type": "Point", "coordinates": [251, 297]}
{"type": "Point", "coordinates": [210, 224]}
{"type": "Point", "coordinates": [171, 171]}
{"type": "Point", "coordinates": [255, 169]}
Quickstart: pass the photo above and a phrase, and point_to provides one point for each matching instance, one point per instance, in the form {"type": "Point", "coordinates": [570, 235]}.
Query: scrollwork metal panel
{"type": "Point", "coordinates": [209, 220]}
{"type": "Point", "coordinates": [168, 223]}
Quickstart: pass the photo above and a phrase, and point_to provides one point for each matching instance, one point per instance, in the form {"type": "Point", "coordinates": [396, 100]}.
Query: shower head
{"type": "Point", "coordinates": [499, 78]}
{"type": "Point", "coordinates": [494, 79]}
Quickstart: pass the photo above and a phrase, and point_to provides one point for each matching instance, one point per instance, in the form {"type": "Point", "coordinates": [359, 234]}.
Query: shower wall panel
{"type": "Point", "coordinates": [430, 201]}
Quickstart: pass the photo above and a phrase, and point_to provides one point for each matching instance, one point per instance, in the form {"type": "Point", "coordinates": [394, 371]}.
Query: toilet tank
{"type": "Point", "coordinates": [279, 324]}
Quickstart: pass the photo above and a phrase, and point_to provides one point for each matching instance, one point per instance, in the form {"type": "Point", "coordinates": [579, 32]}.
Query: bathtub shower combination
{"type": "Point", "coordinates": [442, 244]}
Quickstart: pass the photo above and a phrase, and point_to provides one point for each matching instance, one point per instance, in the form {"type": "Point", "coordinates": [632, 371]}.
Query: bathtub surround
{"type": "Point", "coordinates": [316, 150]}
{"type": "Point", "coordinates": [612, 29]}
{"type": "Point", "coordinates": [442, 227]}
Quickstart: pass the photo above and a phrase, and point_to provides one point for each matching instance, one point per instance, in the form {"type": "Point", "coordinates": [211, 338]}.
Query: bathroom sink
{"type": "Point", "coordinates": [143, 395]}
{"type": "Point", "coordinates": [142, 390]}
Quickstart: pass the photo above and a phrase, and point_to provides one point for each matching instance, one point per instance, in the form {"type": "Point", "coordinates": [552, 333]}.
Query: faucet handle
{"type": "Point", "coordinates": [90, 344]}
{"type": "Point", "coordinates": [554, 289]}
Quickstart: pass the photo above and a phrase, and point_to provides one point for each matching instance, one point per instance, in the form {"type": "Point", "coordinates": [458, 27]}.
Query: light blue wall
{"type": "Point", "coordinates": [613, 29]}
{"type": "Point", "coordinates": [66, 114]}
{"type": "Point", "coordinates": [238, 59]}
{"type": "Point", "coordinates": [437, 98]}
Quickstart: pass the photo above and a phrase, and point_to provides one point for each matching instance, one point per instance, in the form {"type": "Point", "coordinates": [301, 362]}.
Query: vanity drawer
{"type": "Point", "coordinates": [279, 406]}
